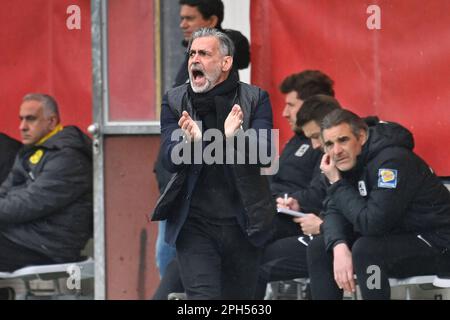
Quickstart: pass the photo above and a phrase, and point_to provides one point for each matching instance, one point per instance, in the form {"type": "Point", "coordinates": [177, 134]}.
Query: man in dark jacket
{"type": "Point", "coordinates": [285, 258]}
{"type": "Point", "coordinates": [8, 151]}
{"type": "Point", "coordinates": [299, 160]}
{"type": "Point", "coordinates": [195, 14]}
{"type": "Point", "coordinates": [46, 201]}
{"type": "Point", "coordinates": [218, 215]}
{"type": "Point", "coordinates": [387, 214]}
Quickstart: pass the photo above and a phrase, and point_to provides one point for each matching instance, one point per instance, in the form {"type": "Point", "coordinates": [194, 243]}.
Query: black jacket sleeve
{"type": "Point", "coordinates": [335, 227]}
{"type": "Point", "coordinates": [61, 182]}
{"type": "Point", "coordinates": [311, 198]}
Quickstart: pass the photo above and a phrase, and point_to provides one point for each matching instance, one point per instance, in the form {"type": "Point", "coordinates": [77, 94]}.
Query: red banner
{"type": "Point", "coordinates": [131, 67]}
{"type": "Point", "coordinates": [45, 47]}
{"type": "Point", "coordinates": [388, 58]}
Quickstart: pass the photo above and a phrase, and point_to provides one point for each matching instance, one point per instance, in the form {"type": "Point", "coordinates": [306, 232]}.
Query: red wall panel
{"type": "Point", "coordinates": [400, 72]}
{"type": "Point", "coordinates": [131, 68]}
{"type": "Point", "coordinates": [130, 194]}
{"type": "Point", "coordinates": [38, 53]}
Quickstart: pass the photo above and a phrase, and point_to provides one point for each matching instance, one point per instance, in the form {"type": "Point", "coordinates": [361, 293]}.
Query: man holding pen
{"type": "Point", "coordinates": [299, 161]}
{"type": "Point", "coordinates": [285, 258]}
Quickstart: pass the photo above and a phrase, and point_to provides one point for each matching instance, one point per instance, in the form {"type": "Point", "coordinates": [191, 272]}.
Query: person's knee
{"type": "Point", "coordinates": [316, 250]}
{"type": "Point", "coordinates": [264, 272]}
{"type": "Point", "coordinates": [366, 250]}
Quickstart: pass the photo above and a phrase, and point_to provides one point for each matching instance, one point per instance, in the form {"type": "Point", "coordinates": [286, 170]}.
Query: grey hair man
{"type": "Point", "coordinates": [219, 215]}
{"type": "Point", "coordinates": [46, 200]}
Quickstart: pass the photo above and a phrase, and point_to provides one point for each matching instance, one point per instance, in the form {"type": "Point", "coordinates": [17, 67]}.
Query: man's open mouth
{"type": "Point", "coordinates": [197, 74]}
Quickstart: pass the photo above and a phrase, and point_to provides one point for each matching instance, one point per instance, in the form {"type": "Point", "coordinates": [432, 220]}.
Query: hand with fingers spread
{"type": "Point", "coordinates": [234, 121]}
{"type": "Point", "coordinates": [343, 267]}
{"type": "Point", "coordinates": [190, 127]}
{"type": "Point", "coordinates": [329, 169]}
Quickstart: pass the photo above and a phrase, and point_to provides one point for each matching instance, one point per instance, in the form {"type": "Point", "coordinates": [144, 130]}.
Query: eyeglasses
{"type": "Point", "coordinates": [305, 240]}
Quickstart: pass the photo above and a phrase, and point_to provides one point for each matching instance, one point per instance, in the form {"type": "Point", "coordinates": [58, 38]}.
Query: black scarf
{"type": "Point", "coordinates": [214, 106]}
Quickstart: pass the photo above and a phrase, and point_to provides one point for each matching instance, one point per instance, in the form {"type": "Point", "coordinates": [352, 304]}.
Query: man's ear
{"type": "Point", "coordinates": [53, 121]}
{"type": "Point", "coordinates": [227, 62]}
{"type": "Point", "coordinates": [363, 136]}
{"type": "Point", "coordinates": [213, 21]}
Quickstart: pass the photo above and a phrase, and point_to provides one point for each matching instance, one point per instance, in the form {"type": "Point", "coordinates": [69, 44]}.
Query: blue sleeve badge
{"type": "Point", "coordinates": [387, 178]}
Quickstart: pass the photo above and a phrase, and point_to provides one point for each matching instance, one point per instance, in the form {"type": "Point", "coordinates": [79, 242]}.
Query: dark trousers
{"type": "Point", "coordinates": [284, 259]}
{"type": "Point", "coordinates": [216, 261]}
{"type": "Point", "coordinates": [170, 282]}
{"type": "Point", "coordinates": [397, 256]}
{"type": "Point", "coordinates": [13, 256]}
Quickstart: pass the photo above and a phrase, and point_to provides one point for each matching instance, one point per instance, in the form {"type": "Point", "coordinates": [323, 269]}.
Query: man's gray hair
{"type": "Point", "coordinates": [48, 102]}
{"type": "Point", "coordinates": [225, 43]}
{"type": "Point", "coordinates": [339, 116]}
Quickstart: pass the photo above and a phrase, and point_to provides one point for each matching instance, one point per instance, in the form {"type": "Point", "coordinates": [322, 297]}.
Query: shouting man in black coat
{"type": "Point", "coordinates": [219, 213]}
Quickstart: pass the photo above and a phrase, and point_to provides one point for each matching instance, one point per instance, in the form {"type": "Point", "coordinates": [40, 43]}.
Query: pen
{"type": "Point", "coordinates": [285, 198]}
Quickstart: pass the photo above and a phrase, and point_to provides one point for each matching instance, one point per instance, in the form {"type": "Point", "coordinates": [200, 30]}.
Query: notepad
{"type": "Point", "coordinates": [291, 212]}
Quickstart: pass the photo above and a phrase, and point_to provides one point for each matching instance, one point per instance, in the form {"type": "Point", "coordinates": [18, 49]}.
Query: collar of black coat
{"type": "Point", "coordinates": [204, 103]}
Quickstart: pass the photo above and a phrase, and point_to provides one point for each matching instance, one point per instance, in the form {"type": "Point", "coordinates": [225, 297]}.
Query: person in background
{"type": "Point", "coordinates": [8, 151]}
{"type": "Point", "coordinates": [46, 213]}
{"type": "Point", "coordinates": [285, 258]}
{"type": "Point", "coordinates": [299, 162]}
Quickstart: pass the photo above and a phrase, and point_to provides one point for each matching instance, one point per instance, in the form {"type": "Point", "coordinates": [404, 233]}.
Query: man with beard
{"type": "Point", "coordinates": [194, 15]}
{"type": "Point", "coordinates": [218, 215]}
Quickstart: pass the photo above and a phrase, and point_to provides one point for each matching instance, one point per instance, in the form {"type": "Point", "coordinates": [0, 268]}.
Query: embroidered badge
{"type": "Point", "coordinates": [36, 157]}
{"type": "Point", "coordinates": [362, 188]}
{"type": "Point", "coordinates": [301, 151]}
{"type": "Point", "coordinates": [387, 178]}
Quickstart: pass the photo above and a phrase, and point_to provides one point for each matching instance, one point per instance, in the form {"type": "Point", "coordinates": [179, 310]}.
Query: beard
{"type": "Point", "coordinates": [202, 81]}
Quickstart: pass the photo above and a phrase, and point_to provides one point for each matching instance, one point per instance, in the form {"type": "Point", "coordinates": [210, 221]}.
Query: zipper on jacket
{"type": "Point", "coordinates": [423, 239]}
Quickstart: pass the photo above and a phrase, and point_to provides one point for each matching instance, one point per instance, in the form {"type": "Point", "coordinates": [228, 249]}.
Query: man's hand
{"type": "Point", "coordinates": [289, 203]}
{"type": "Point", "coordinates": [310, 224]}
{"type": "Point", "coordinates": [190, 127]}
{"type": "Point", "coordinates": [343, 267]}
{"type": "Point", "coordinates": [328, 168]}
{"type": "Point", "coordinates": [234, 121]}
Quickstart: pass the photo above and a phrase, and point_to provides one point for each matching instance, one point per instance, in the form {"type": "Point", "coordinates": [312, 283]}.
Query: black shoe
{"type": "Point", "coordinates": [177, 296]}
